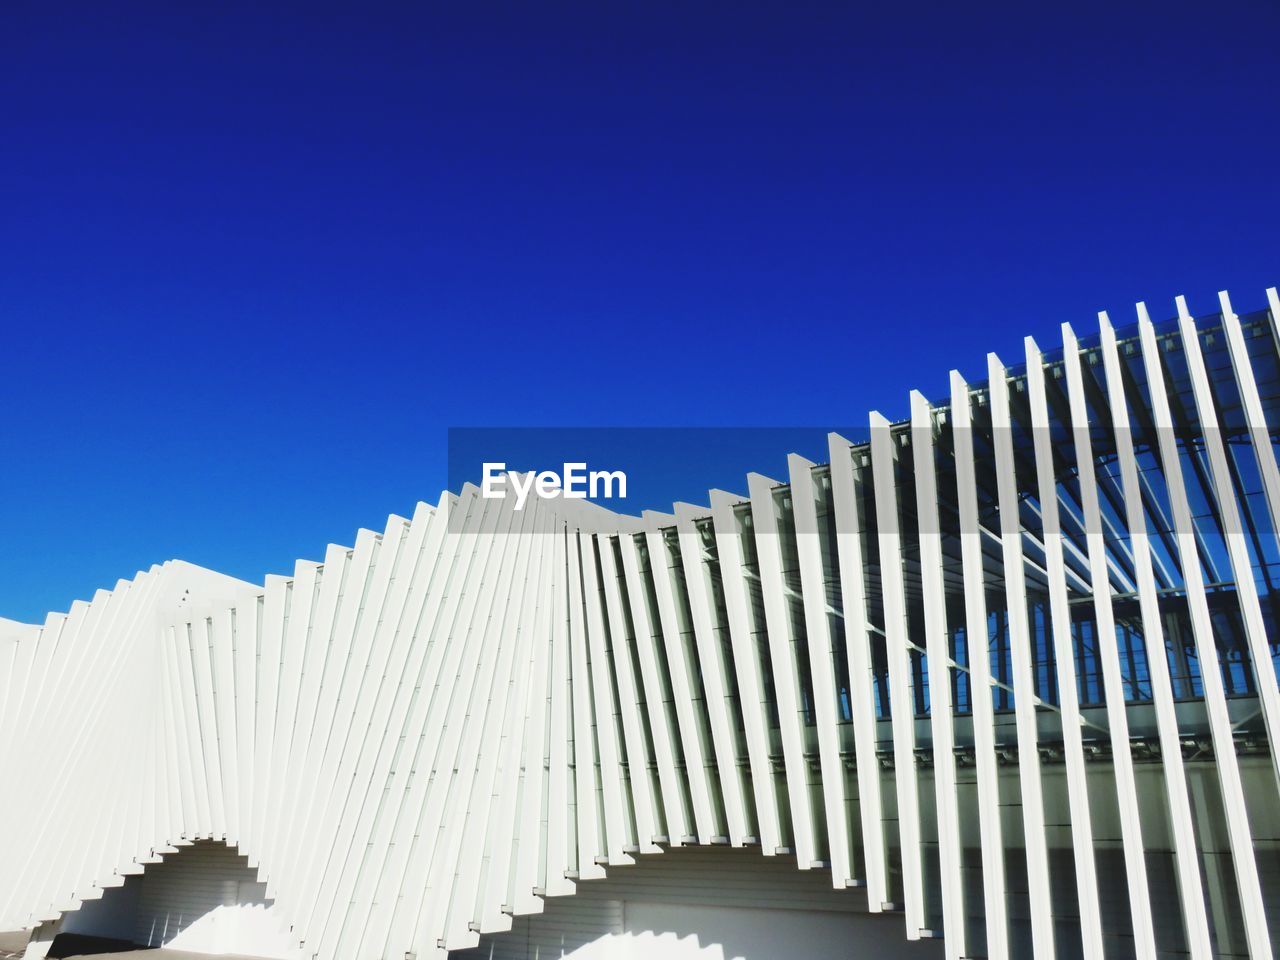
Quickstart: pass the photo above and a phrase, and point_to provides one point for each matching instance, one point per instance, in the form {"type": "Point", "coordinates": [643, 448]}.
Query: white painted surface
{"type": "Point", "coordinates": [435, 734]}
{"type": "Point", "coordinates": [668, 931]}
{"type": "Point", "coordinates": [205, 898]}
{"type": "Point", "coordinates": [707, 903]}
{"type": "Point", "coordinates": [202, 898]}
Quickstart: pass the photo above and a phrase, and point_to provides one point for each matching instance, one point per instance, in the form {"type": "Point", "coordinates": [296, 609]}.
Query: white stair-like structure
{"type": "Point", "coordinates": [434, 730]}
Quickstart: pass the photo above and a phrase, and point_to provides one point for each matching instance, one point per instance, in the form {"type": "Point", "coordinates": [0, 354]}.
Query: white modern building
{"type": "Point", "coordinates": [999, 682]}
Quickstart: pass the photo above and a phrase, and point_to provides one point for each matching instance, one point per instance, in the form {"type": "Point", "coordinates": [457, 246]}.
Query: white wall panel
{"type": "Point", "coordinates": [1034, 626]}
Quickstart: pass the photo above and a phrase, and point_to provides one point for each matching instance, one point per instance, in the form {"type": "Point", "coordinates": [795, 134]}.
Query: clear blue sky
{"type": "Point", "coordinates": [255, 259]}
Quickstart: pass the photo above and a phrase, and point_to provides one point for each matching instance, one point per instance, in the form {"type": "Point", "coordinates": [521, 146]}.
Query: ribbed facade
{"type": "Point", "coordinates": [1007, 667]}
